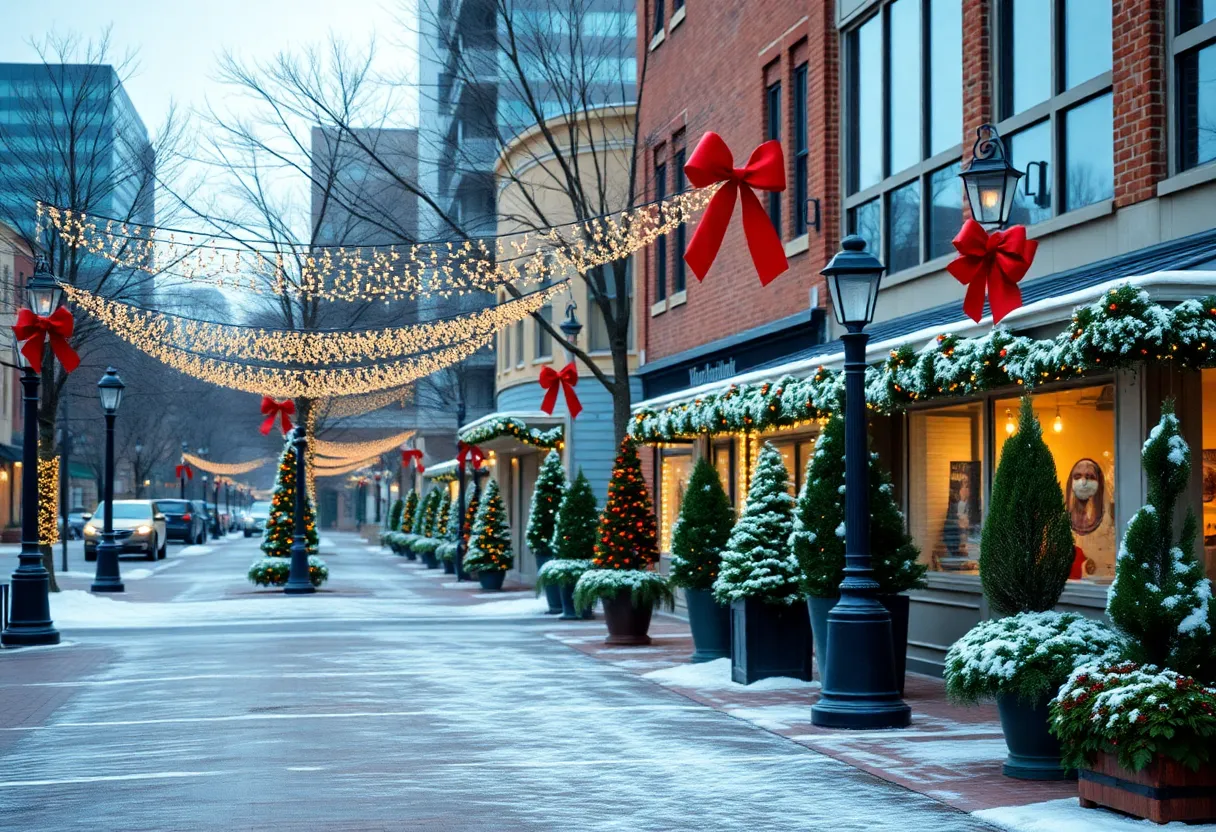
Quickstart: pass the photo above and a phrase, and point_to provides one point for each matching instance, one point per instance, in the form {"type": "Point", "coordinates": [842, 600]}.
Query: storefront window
{"type": "Point", "coordinates": [1207, 459]}
{"type": "Point", "coordinates": [674, 471]}
{"type": "Point", "coordinates": [1079, 429]}
{"type": "Point", "coordinates": [946, 485]}
{"type": "Point", "coordinates": [724, 462]}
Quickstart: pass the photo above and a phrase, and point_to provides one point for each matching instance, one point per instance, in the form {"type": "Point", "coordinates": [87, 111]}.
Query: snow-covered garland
{"type": "Point", "coordinates": [516, 429]}
{"type": "Point", "coordinates": [1121, 328]}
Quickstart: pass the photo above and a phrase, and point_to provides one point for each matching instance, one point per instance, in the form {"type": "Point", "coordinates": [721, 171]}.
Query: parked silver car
{"type": "Point", "coordinates": [139, 527]}
{"type": "Point", "coordinates": [255, 517]}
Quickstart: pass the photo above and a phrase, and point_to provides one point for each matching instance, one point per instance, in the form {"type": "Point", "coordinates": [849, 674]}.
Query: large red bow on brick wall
{"type": "Point", "coordinates": [564, 379]}
{"type": "Point", "coordinates": [469, 453]}
{"type": "Point", "coordinates": [992, 262]}
{"type": "Point", "coordinates": [282, 411]}
{"type": "Point", "coordinates": [34, 330]}
{"type": "Point", "coordinates": [711, 162]}
{"type": "Point", "coordinates": [415, 455]}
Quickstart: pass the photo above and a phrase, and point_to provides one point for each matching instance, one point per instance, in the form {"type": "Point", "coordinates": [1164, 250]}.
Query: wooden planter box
{"type": "Point", "coordinates": [1164, 791]}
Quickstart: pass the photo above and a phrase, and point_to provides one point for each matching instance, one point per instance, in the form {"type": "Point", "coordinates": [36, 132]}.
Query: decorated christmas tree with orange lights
{"type": "Point", "coordinates": [628, 536]}
{"type": "Point", "coordinates": [490, 543]}
{"type": "Point", "coordinates": [280, 525]}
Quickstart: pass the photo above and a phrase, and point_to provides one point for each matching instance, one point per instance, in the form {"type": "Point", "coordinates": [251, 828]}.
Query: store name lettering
{"type": "Point", "coordinates": [711, 372]}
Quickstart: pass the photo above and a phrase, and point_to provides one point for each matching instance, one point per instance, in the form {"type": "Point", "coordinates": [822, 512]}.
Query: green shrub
{"type": "Point", "coordinates": [274, 571]}
{"type": "Point", "coordinates": [702, 530]}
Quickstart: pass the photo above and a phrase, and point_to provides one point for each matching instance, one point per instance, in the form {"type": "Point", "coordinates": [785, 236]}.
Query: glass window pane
{"type": "Point", "coordinates": [945, 485]}
{"type": "Point", "coordinates": [1197, 107]}
{"type": "Point", "coordinates": [903, 227]}
{"type": "Point", "coordinates": [1028, 71]}
{"type": "Point", "coordinates": [681, 231]}
{"type": "Point", "coordinates": [660, 247]}
{"type": "Point", "coordinates": [866, 224]}
{"type": "Point", "coordinates": [544, 341]}
{"type": "Point", "coordinates": [773, 131]}
{"type": "Point", "coordinates": [1209, 464]}
{"type": "Point", "coordinates": [867, 127]}
{"type": "Point", "coordinates": [1032, 145]}
{"type": "Point", "coordinates": [1089, 153]}
{"type": "Point", "coordinates": [905, 112]}
{"type": "Point", "coordinates": [945, 209]}
{"type": "Point", "coordinates": [1192, 13]}
{"type": "Point", "coordinates": [1079, 429]}
{"type": "Point", "coordinates": [724, 455]}
{"type": "Point", "coordinates": [945, 74]}
{"type": "Point", "coordinates": [673, 480]}
{"type": "Point", "coordinates": [1086, 40]}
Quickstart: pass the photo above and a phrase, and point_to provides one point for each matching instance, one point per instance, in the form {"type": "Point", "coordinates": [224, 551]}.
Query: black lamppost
{"type": "Point", "coordinates": [29, 619]}
{"type": "Point", "coordinates": [228, 501]}
{"type": "Point", "coordinates": [298, 580]}
{"type": "Point", "coordinates": [991, 181]}
{"type": "Point", "coordinates": [377, 478]}
{"type": "Point", "coordinates": [107, 578]}
{"type": "Point", "coordinates": [859, 684]}
{"type": "Point", "coordinates": [215, 527]}
{"type": "Point", "coordinates": [181, 472]}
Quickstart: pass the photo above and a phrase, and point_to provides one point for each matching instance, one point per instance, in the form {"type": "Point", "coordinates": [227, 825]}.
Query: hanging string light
{"type": "Point", "coordinates": [382, 273]}
{"type": "Point", "coordinates": [225, 469]}
{"type": "Point", "coordinates": [349, 451]}
{"type": "Point", "coordinates": [297, 347]}
{"type": "Point", "coordinates": [322, 471]}
{"type": "Point", "coordinates": [338, 408]}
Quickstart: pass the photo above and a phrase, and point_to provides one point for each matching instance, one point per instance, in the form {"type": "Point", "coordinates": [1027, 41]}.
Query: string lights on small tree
{"type": "Point", "coordinates": [280, 524]}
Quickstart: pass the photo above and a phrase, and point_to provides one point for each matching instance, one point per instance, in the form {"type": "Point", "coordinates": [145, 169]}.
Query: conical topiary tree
{"type": "Point", "coordinates": [430, 519]}
{"type": "Point", "coordinates": [757, 562]}
{"type": "Point", "coordinates": [472, 504]}
{"type": "Point", "coordinates": [394, 514]}
{"type": "Point", "coordinates": [546, 498]}
{"type": "Point", "coordinates": [574, 531]}
{"type": "Point", "coordinates": [280, 524]}
{"type": "Point", "coordinates": [1026, 550]}
{"type": "Point", "coordinates": [442, 513]}
{"type": "Point", "coordinates": [406, 523]}
{"type": "Point", "coordinates": [490, 542]}
{"type": "Point", "coordinates": [1160, 599]}
{"type": "Point", "coordinates": [818, 537]}
{"type": "Point", "coordinates": [702, 530]}
{"type": "Point", "coordinates": [420, 516]}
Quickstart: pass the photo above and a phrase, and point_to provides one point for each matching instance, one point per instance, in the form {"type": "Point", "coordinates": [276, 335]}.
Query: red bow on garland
{"type": "Point", "coordinates": [995, 262]}
{"type": "Point", "coordinates": [413, 454]}
{"type": "Point", "coordinates": [469, 453]}
{"type": "Point", "coordinates": [282, 410]}
{"type": "Point", "coordinates": [34, 330]}
{"type": "Point", "coordinates": [564, 379]}
{"type": "Point", "coordinates": [711, 162]}
{"type": "Point", "coordinates": [185, 469]}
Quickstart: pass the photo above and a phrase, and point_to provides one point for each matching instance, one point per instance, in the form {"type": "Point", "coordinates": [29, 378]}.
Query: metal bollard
{"type": "Point", "coordinates": [3, 606]}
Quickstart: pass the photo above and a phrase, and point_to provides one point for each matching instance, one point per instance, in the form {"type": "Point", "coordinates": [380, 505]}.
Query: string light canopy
{"type": "Point", "coordinates": [328, 452]}
{"type": "Point", "coordinates": [321, 471]}
{"type": "Point", "coordinates": [225, 469]}
{"type": "Point", "coordinates": [378, 273]}
{"type": "Point", "coordinates": [303, 348]}
{"type": "Point", "coordinates": [347, 406]}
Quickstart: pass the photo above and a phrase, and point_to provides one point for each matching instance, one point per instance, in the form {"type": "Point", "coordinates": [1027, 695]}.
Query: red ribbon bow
{"type": "Point", "coordinates": [34, 330]}
{"type": "Point", "coordinates": [470, 453]}
{"type": "Point", "coordinates": [415, 455]}
{"type": "Point", "coordinates": [711, 162]}
{"type": "Point", "coordinates": [185, 469]}
{"type": "Point", "coordinates": [272, 409]}
{"type": "Point", "coordinates": [564, 379]}
{"type": "Point", "coordinates": [995, 262]}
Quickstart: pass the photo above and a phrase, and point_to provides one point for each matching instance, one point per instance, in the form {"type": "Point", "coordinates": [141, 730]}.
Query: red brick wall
{"type": "Point", "coordinates": [978, 74]}
{"type": "Point", "coordinates": [1138, 69]}
{"type": "Point", "coordinates": [709, 74]}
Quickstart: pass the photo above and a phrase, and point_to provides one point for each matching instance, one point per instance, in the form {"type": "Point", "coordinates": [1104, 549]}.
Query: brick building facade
{"type": "Point", "coordinates": [1110, 111]}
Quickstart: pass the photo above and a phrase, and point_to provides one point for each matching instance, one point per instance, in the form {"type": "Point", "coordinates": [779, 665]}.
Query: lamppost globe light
{"type": "Point", "coordinates": [19, 358]}
{"type": "Point", "coordinates": [43, 292]}
{"type": "Point", "coordinates": [853, 277]}
{"type": "Point", "coordinates": [110, 390]}
{"type": "Point", "coordinates": [571, 326]}
{"type": "Point", "coordinates": [990, 180]}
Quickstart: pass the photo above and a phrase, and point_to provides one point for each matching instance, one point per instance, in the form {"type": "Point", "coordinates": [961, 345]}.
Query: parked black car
{"type": "Point", "coordinates": [184, 520]}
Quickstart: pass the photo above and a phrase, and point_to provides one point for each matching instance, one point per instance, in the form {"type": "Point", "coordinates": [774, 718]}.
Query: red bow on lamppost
{"type": "Point", "coordinates": [272, 409]}
{"type": "Point", "coordinates": [711, 162]}
{"type": "Point", "coordinates": [469, 453]}
{"type": "Point", "coordinates": [34, 330]}
{"type": "Point", "coordinates": [992, 263]}
{"type": "Point", "coordinates": [185, 469]}
{"type": "Point", "coordinates": [415, 455]}
{"type": "Point", "coordinates": [564, 379]}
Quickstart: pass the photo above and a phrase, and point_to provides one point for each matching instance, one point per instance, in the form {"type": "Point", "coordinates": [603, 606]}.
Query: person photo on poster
{"type": "Point", "coordinates": [961, 532]}
{"type": "Point", "coordinates": [1086, 496]}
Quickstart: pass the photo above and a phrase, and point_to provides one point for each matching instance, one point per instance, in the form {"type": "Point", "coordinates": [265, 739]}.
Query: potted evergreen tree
{"type": "Point", "coordinates": [626, 550]}
{"type": "Point", "coordinates": [1141, 731]}
{"type": "Point", "coordinates": [439, 530]}
{"type": "Point", "coordinates": [392, 522]}
{"type": "Point", "coordinates": [572, 545]}
{"type": "Point", "coordinates": [401, 542]}
{"type": "Point", "coordinates": [701, 533]}
{"type": "Point", "coordinates": [448, 534]}
{"type": "Point", "coordinates": [489, 556]}
{"type": "Point", "coordinates": [770, 627]}
{"type": "Point", "coordinates": [1026, 553]}
{"type": "Point", "coordinates": [546, 499]}
{"type": "Point", "coordinates": [428, 513]}
{"type": "Point", "coordinates": [818, 543]}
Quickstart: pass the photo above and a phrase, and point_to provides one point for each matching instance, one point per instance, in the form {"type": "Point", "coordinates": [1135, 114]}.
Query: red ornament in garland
{"type": "Point", "coordinates": [992, 263]}
{"type": "Point", "coordinates": [564, 380]}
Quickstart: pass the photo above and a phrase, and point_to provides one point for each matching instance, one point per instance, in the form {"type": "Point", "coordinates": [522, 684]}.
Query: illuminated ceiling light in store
{"type": "Point", "coordinates": [1010, 427]}
{"type": "Point", "coordinates": [1058, 424]}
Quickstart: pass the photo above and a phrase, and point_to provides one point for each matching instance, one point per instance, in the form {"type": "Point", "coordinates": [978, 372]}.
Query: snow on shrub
{"type": "Point", "coordinates": [645, 587]}
{"type": "Point", "coordinates": [561, 572]}
{"type": "Point", "coordinates": [274, 571]}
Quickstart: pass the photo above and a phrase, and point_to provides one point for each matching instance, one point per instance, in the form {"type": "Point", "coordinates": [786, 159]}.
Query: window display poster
{"type": "Point", "coordinates": [959, 548]}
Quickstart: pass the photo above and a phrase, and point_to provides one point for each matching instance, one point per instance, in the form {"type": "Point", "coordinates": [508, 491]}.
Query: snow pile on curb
{"type": "Point", "coordinates": [1067, 816]}
{"type": "Point", "coordinates": [715, 675]}
{"type": "Point", "coordinates": [511, 607]}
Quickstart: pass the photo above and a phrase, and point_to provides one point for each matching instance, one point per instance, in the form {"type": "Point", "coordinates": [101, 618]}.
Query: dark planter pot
{"type": "Point", "coordinates": [491, 580]}
{"type": "Point", "coordinates": [769, 640]}
{"type": "Point", "coordinates": [553, 594]}
{"type": "Point", "coordinates": [627, 624]}
{"type": "Point", "coordinates": [710, 625]}
{"type": "Point", "coordinates": [429, 560]}
{"type": "Point", "coordinates": [1034, 754]}
{"type": "Point", "coordinates": [1163, 791]}
{"type": "Point", "coordinates": [449, 567]}
{"type": "Point", "coordinates": [897, 605]}
{"type": "Point", "coordinates": [569, 612]}
{"type": "Point", "coordinates": [409, 553]}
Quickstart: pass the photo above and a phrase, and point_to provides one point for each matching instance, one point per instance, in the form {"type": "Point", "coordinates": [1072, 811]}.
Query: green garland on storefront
{"type": "Point", "coordinates": [517, 429]}
{"type": "Point", "coordinates": [1120, 329]}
